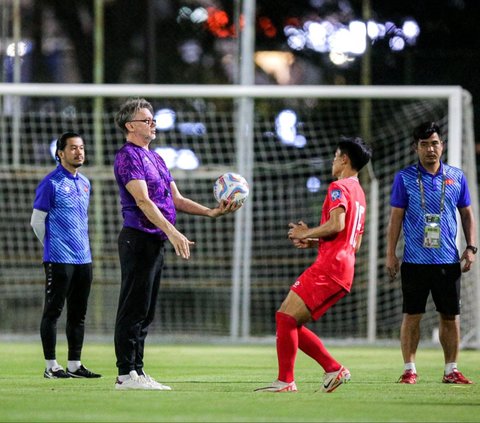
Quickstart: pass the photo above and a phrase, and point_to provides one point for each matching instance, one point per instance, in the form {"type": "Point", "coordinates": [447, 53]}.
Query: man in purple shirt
{"type": "Point", "coordinates": [149, 199]}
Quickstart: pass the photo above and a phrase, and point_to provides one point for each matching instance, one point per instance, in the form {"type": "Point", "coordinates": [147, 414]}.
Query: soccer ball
{"type": "Point", "coordinates": [231, 186]}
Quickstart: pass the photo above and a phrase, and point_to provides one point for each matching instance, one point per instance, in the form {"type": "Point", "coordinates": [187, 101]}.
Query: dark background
{"type": "Point", "coordinates": [144, 38]}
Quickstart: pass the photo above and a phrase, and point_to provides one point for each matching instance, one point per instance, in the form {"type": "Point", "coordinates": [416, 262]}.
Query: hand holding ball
{"type": "Point", "coordinates": [231, 187]}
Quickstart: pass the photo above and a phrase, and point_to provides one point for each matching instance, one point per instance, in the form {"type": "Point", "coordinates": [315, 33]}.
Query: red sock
{"type": "Point", "coordinates": [311, 345]}
{"type": "Point", "coordinates": [287, 346]}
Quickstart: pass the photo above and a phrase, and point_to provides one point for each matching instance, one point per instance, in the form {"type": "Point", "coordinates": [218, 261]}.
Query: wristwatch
{"type": "Point", "coordinates": [472, 248]}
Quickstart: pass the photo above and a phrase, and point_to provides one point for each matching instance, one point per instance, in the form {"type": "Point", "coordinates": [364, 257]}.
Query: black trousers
{"type": "Point", "coordinates": [141, 262]}
{"type": "Point", "coordinates": [71, 282]}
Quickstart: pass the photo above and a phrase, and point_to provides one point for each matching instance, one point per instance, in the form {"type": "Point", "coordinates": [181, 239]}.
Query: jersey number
{"type": "Point", "coordinates": [357, 223]}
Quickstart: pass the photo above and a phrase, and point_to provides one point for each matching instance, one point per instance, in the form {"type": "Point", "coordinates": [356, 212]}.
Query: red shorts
{"type": "Point", "coordinates": [318, 292]}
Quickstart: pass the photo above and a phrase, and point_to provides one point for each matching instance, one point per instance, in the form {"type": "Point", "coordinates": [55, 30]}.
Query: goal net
{"type": "Point", "coordinates": [282, 139]}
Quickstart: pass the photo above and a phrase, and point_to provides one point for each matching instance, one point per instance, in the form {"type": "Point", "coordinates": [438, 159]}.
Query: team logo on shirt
{"type": "Point", "coordinates": [67, 189]}
{"type": "Point", "coordinates": [336, 194]}
{"type": "Point", "coordinates": [449, 182]}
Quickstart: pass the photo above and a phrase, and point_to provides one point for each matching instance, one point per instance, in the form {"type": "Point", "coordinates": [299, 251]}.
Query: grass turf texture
{"type": "Point", "coordinates": [215, 383]}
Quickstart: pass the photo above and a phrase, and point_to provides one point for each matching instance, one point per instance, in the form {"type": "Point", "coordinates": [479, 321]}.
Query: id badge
{"type": "Point", "coordinates": [431, 233]}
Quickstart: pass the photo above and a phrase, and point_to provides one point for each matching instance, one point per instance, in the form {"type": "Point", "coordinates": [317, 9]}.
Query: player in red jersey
{"type": "Point", "coordinates": [330, 277]}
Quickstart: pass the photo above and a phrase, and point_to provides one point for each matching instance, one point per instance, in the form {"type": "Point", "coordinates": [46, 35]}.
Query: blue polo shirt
{"type": "Point", "coordinates": [65, 199]}
{"type": "Point", "coordinates": [406, 195]}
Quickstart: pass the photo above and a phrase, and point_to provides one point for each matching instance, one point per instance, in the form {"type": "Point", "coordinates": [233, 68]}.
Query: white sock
{"type": "Point", "coordinates": [52, 365]}
{"type": "Point", "coordinates": [411, 366]}
{"type": "Point", "coordinates": [450, 367]}
{"type": "Point", "coordinates": [73, 365]}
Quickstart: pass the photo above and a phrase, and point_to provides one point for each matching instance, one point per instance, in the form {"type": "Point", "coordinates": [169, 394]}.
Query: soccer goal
{"type": "Point", "coordinates": [282, 140]}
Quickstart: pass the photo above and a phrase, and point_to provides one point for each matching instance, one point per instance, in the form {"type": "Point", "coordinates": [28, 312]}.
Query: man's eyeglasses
{"type": "Point", "coordinates": [148, 122]}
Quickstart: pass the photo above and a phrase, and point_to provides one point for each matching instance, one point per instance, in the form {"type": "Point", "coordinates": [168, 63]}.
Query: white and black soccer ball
{"type": "Point", "coordinates": [231, 187]}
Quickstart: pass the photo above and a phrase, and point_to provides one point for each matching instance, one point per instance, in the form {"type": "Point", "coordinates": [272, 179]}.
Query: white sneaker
{"type": "Point", "coordinates": [134, 382]}
{"type": "Point", "coordinates": [154, 384]}
{"type": "Point", "coordinates": [279, 386]}
{"type": "Point", "coordinates": [333, 380]}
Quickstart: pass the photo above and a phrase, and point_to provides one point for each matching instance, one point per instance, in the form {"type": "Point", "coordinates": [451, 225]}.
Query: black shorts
{"type": "Point", "coordinates": [442, 280]}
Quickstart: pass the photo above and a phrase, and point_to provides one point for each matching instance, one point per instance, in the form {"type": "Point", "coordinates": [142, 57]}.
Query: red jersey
{"type": "Point", "coordinates": [336, 255]}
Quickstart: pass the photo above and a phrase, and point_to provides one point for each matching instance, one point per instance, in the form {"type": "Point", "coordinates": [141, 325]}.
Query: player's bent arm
{"type": "Point", "coordinates": [139, 191]}
{"type": "Point", "coordinates": [37, 223]}
{"type": "Point", "coordinates": [186, 205]}
{"type": "Point", "coordinates": [334, 225]}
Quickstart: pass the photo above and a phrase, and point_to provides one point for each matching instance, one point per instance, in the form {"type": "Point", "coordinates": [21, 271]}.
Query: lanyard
{"type": "Point", "coordinates": [422, 190]}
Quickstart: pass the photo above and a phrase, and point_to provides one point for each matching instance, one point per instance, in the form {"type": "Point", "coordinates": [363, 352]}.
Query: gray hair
{"type": "Point", "coordinates": [128, 111]}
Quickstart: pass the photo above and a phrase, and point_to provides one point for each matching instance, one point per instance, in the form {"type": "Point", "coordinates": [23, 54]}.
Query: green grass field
{"type": "Point", "coordinates": [214, 383]}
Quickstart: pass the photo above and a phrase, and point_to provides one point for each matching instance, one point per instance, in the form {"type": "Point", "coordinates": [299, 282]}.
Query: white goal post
{"type": "Point", "coordinates": [242, 266]}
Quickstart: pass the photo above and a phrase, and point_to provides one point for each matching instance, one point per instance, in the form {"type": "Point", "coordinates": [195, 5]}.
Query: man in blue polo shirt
{"type": "Point", "coordinates": [60, 221]}
{"type": "Point", "coordinates": [424, 199]}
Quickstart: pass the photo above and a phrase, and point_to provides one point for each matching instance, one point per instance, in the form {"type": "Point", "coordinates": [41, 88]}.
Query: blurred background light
{"type": "Point", "coordinates": [168, 154]}
{"type": "Point", "coordinates": [53, 148]}
{"type": "Point", "coordinates": [192, 128]}
{"type": "Point", "coordinates": [183, 158]}
{"type": "Point", "coordinates": [358, 37]}
{"type": "Point", "coordinates": [410, 29]}
{"type": "Point", "coordinates": [191, 51]}
{"type": "Point", "coordinates": [300, 141]}
{"type": "Point", "coordinates": [286, 129]}
{"type": "Point", "coordinates": [165, 119]}
{"type": "Point", "coordinates": [339, 58]}
{"type": "Point", "coordinates": [285, 126]}
{"type": "Point", "coordinates": [317, 34]}
{"type": "Point", "coordinates": [187, 160]}
{"type": "Point", "coordinates": [22, 49]}
{"type": "Point", "coordinates": [199, 15]}
{"type": "Point", "coordinates": [397, 43]}
{"type": "Point", "coordinates": [313, 184]}
{"type": "Point", "coordinates": [373, 30]}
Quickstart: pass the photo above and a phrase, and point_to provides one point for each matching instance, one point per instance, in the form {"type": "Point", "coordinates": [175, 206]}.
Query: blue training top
{"type": "Point", "coordinates": [406, 195]}
{"type": "Point", "coordinates": [65, 198]}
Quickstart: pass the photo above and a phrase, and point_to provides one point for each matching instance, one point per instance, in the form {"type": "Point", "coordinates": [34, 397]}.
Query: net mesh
{"type": "Point", "coordinates": [195, 295]}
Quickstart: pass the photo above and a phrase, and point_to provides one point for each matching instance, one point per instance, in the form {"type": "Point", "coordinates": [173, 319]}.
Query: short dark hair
{"type": "Point", "coordinates": [129, 109]}
{"type": "Point", "coordinates": [425, 131]}
{"type": "Point", "coordinates": [62, 142]}
{"type": "Point", "coordinates": [357, 150]}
